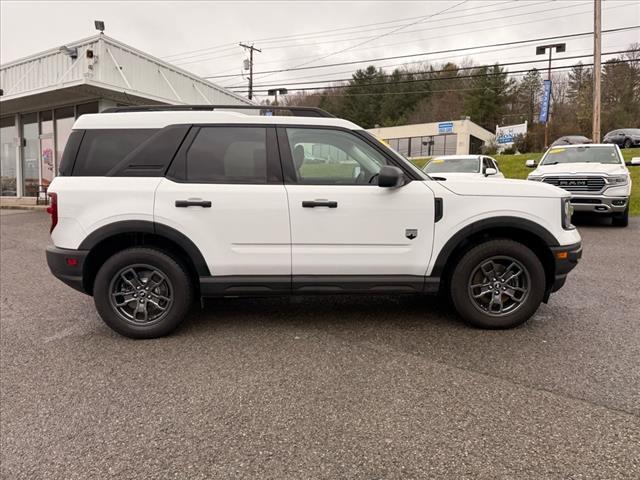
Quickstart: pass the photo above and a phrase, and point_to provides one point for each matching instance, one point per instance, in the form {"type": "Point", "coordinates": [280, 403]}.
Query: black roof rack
{"type": "Point", "coordinates": [263, 109]}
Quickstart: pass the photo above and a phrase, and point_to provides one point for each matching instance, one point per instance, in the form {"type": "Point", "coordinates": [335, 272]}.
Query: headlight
{"type": "Point", "coordinates": [618, 179]}
{"type": "Point", "coordinates": [534, 178]}
{"type": "Point", "coordinates": [567, 211]}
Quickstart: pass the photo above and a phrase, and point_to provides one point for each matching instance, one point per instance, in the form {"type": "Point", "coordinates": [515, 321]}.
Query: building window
{"type": "Point", "coordinates": [8, 157]}
{"type": "Point", "coordinates": [47, 148]}
{"type": "Point", "coordinates": [30, 155]}
{"type": "Point", "coordinates": [403, 146]}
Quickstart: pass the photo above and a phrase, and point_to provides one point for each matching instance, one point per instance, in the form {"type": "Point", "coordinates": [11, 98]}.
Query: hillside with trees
{"type": "Point", "coordinates": [489, 94]}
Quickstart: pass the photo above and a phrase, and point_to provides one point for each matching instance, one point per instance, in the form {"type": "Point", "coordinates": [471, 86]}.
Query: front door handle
{"type": "Point", "coordinates": [193, 203]}
{"type": "Point", "coordinates": [319, 203]}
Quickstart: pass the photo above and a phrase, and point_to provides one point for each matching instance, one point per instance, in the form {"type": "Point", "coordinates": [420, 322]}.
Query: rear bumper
{"type": "Point", "coordinates": [67, 265]}
{"type": "Point", "coordinates": [599, 203]}
{"type": "Point", "coordinates": [566, 258]}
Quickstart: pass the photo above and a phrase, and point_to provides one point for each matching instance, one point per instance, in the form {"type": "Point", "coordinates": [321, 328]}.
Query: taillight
{"type": "Point", "coordinates": [52, 210]}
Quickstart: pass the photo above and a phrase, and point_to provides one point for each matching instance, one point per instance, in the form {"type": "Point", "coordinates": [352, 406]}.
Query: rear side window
{"type": "Point", "coordinates": [228, 155]}
{"type": "Point", "coordinates": [101, 150]}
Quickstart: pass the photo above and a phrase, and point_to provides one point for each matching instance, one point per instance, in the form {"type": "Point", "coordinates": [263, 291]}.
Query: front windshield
{"type": "Point", "coordinates": [584, 154]}
{"type": "Point", "coordinates": [453, 165]}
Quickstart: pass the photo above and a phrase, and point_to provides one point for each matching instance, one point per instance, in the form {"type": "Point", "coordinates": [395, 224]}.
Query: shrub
{"type": "Point", "coordinates": [490, 148]}
{"type": "Point", "coordinates": [522, 143]}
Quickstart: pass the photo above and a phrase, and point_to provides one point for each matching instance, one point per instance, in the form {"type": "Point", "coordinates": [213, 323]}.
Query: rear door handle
{"type": "Point", "coordinates": [193, 203]}
{"type": "Point", "coordinates": [319, 203]}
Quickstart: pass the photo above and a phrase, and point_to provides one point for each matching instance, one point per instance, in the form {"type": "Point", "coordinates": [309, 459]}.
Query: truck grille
{"type": "Point", "coordinates": [577, 184]}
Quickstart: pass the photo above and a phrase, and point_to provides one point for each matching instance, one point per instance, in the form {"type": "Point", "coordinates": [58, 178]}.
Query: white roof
{"type": "Point", "coordinates": [113, 67]}
{"type": "Point", "coordinates": [159, 119]}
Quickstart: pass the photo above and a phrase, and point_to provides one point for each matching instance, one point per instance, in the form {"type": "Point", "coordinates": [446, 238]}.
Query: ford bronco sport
{"type": "Point", "coordinates": [157, 206]}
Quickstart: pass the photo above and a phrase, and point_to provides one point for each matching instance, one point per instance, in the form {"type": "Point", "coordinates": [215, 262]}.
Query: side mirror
{"type": "Point", "coordinates": [635, 162]}
{"type": "Point", "coordinates": [390, 177]}
{"type": "Point", "coordinates": [530, 163]}
{"type": "Point", "coordinates": [490, 171]}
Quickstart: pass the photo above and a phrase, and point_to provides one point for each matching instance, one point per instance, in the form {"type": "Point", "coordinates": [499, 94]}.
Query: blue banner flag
{"type": "Point", "coordinates": [546, 100]}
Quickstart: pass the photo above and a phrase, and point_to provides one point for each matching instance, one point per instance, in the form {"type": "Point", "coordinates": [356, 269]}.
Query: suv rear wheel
{"type": "Point", "coordinates": [142, 293]}
{"type": "Point", "coordinates": [497, 284]}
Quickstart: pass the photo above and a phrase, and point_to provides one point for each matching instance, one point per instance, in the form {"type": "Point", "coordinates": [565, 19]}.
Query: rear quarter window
{"type": "Point", "coordinates": [102, 149]}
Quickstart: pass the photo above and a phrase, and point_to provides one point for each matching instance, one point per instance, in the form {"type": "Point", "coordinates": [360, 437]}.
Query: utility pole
{"type": "Point", "coordinates": [597, 71]}
{"type": "Point", "coordinates": [251, 49]}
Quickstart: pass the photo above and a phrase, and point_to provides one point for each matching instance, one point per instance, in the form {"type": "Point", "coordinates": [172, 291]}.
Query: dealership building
{"type": "Point", "coordinates": [42, 95]}
{"type": "Point", "coordinates": [457, 137]}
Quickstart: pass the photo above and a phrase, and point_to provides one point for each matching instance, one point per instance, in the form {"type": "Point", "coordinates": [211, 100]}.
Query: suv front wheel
{"type": "Point", "coordinates": [497, 284]}
{"type": "Point", "coordinates": [142, 293]}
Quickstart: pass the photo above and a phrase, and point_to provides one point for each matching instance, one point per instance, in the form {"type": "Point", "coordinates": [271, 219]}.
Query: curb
{"type": "Point", "coordinates": [24, 207]}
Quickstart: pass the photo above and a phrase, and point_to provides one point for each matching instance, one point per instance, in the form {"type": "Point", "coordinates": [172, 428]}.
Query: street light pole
{"type": "Point", "coordinates": [597, 49]}
{"type": "Point", "coordinates": [540, 50]}
{"type": "Point", "coordinates": [546, 124]}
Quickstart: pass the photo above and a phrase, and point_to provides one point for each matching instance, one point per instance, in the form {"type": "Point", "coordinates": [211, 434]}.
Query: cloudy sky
{"type": "Point", "coordinates": [202, 36]}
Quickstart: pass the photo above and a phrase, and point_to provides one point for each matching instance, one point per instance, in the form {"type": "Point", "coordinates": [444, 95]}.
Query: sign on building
{"type": "Point", "coordinates": [445, 127]}
{"type": "Point", "coordinates": [507, 133]}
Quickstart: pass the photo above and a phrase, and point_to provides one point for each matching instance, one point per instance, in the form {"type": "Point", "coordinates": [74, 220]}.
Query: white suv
{"type": "Point", "coordinates": [595, 175]}
{"type": "Point", "coordinates": [157, 206]}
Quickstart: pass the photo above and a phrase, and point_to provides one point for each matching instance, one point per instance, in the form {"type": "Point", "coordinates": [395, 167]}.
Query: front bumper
{"type": "Point", "coordinates": [67, 265]}
{"type": "Point", "coordinates": [598, 203]}
{"type": "Point", "coordinates": [566, 258]}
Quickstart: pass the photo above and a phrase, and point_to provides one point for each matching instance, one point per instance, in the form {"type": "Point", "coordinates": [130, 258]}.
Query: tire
{"type": "Point", "coordinates": [621, 219]}
{"type": "Point", "coordinates": [128, 275]}
{"type": "Point", "coordinates": [626, 144]}
{"type": "Point", "coordinates": [477, 265]}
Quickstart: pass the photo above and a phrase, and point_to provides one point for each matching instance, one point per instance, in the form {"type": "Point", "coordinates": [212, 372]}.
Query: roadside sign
{"type": "Point", "coordinates": [506, 133]}
{"type": "Point", "coordinates": [546, 98]}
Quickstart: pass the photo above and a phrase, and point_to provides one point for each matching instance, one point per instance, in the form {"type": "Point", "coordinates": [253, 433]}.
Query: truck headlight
{"type": "Point", "coordinates": [534, 178]}
{"type": "Point", "coordinates": [618, 179]}
{"type": "Point", "coordinates": [567, 212]}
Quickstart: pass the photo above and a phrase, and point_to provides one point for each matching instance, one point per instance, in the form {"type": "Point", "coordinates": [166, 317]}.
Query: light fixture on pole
{"type": "Point", "coordinates": [275, 92]}
{"type": "Point", "coordinates": [545, 109]}
{"type": "Point", "coordinates": [99, 24]}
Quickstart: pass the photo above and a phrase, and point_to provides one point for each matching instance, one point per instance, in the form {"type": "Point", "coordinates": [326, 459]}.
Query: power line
{"type": "Point", "coordinates": [521, 62]}
{"type": "Point", "coordinates": [515, 42]}
{"type": "Point", "coordinates": [307, 35]}
{"type": "Point", "coordinates": [422, 19]}
{"type": "Point", "coordinates": [457, 77]}
{"type": "Point", "coordinates": [499, 18]}
{"type": "Point", "coordinates": [290, 81]}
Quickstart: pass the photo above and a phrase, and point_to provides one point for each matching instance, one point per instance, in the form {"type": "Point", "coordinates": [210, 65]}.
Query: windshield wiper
{"type": "Point", "coordinates": [549, 163]}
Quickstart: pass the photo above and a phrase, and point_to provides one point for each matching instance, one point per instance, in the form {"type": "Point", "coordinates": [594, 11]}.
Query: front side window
{"type": "Point", "coordinates": [228, 155]}
{"type": "Point", "coordinates": [332, 157]}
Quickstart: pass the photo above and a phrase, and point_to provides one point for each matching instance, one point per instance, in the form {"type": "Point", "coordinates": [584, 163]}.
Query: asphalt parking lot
{"type": "Point", "coordinates": [322, 387]}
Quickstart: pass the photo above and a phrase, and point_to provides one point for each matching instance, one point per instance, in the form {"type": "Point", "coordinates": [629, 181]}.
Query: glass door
{"type": "Point", "coordinates": [30, 155]}
{"type": "Point", "coordinates": [8, 157]}
{"type": "Point", "coordinates": [47, 149]}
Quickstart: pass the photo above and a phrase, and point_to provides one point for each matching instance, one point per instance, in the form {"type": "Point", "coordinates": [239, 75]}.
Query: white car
{"type": "Point", "coordinates": [158, 206]}
{"type": "Point", "coordinates": [463, 166]}
{"type": "Point", "coordinates": [595, 175]}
